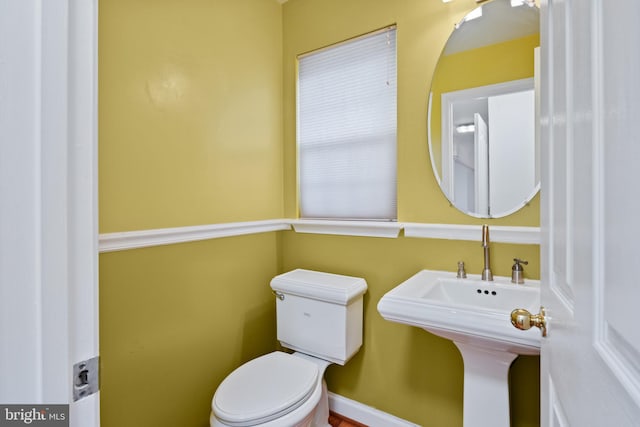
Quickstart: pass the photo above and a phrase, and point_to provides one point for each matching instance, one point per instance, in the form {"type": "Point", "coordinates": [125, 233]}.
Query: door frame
{"type": "Point", "coordinates": [83, 204]}
{"type": "Point", "coordinates": [448, 99]}
{"type": "Point", "coordinates": [49, 215]}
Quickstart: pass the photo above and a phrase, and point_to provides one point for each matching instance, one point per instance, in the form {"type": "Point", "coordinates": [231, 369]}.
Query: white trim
{"type": "Point", "coordinates": [57, 204]}
{"type": "Point", "coordinates": [83, 198]}
{"type": "Point", "coordinates": [557, 417]}
{"type": "Point", "coordinates": [348, 228]}
{"type": "Point", "coordinates": [619, 355]}
{"type": "Point", "coordinates": [364, 414]}
{"type": "Point", "coordinates": [498, 233]}
{"type": "Point", "coordinates": [110, 242]}
{"type": "Point", "coordinates": [21, 194]}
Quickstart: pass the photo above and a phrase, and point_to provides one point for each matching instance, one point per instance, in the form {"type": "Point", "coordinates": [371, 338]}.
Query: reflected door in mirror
{"type": "Point", "coordinates": [489, 147]}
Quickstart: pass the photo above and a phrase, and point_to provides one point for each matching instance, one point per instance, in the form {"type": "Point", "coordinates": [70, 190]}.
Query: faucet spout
{"type": "Point", "coordinates": [486, 271]}
{"type": "Point", "coordinates": [485, 236]}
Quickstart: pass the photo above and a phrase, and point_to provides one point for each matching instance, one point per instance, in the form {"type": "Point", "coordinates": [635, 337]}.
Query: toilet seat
{"type": "Point", "coordinates": [264, 389]}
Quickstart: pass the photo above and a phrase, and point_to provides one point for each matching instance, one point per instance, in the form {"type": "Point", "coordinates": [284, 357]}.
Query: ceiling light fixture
{"type": "Point", "coordinates": [470, 128]}
{"type": "Point", "coordinates": [516, 3]}
{"type": "Point", "coordinates": [474, 14]}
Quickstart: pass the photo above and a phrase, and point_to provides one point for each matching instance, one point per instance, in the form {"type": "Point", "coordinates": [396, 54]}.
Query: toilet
{"type": "Point", "coordinates": [319, 317]}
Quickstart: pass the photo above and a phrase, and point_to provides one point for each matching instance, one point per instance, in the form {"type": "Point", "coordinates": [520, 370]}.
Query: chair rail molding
{"type": "Point", "coordinates": [119, 241]}
{"type": "Point", "coordinates": [110, 242]}
{"type": "Point", "coordinates": [499, 233]}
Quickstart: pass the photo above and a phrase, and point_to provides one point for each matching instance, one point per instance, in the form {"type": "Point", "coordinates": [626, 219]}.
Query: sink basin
{"type": "Point", "coordinates": [467, 310]}
{"type": "Point", "coordinates": [476, 316]}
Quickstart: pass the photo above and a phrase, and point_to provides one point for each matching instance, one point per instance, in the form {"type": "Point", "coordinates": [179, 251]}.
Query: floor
{"type": "Point", "coordinates": [337, 420]}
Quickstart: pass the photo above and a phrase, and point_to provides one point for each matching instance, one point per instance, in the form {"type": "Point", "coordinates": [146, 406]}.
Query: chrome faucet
{"type": "Point", "coordinates": [486, 271]}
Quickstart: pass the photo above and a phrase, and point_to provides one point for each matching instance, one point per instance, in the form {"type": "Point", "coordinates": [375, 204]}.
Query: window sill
{"type": "Point", "coordinates": [385, 229]}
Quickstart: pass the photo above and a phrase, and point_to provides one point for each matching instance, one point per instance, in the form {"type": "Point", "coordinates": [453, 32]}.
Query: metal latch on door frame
{"type": "Point", "coordinates": [85, 378]}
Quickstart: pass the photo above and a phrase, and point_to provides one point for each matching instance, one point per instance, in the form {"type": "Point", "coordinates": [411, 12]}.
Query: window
{"type": "Point", "coordinates": [347, 129]}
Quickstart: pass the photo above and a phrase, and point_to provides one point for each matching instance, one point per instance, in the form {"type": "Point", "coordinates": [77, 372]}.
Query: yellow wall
{"type": "Point", "coordinates": [190, 132]}
{"type": "Point", "coordinates": [175, 320]}
{"type": "Point", "coordinates": [403, 370]}
{"type": "Point", "coordinates": [423, 27]}
{"type": "Point", "coordinates": [190, 112]}
{"type": "Point", "coordinates": [498, 63]}
{"type": "Point", "coordinates": [193, 95]}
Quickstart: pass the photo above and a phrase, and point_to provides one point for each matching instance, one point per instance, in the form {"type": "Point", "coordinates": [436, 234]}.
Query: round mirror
{"type": "Point", "coordinates": [482, 110]}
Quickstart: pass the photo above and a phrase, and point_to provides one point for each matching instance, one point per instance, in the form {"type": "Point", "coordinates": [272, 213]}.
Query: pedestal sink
{"type": "Point", "coordinates": [475, 315]}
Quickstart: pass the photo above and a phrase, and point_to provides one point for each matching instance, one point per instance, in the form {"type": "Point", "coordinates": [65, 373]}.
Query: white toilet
{"type": "Point", "coordinates": [319, 315]}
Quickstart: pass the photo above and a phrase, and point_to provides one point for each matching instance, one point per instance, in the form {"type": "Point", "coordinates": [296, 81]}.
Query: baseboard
{"type": "Point", "coordinates": [364, 414]}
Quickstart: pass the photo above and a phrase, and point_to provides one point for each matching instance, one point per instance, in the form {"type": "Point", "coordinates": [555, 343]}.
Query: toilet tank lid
{"type": "Point", "coordinates": [329, 287]}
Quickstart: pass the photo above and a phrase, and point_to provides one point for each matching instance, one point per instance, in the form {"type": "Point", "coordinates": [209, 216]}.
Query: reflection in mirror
{"type": "Point", "coordinates": [482, 111]}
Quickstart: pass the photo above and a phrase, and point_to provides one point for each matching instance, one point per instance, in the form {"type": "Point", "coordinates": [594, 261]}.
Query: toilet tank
{"type": "Point", "coordinates": [320, 314]}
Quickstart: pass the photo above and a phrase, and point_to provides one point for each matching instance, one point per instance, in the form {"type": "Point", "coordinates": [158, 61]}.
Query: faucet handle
{"type": "Point", "coordinates": [517, 272]}
{"type": "Point", "coordinates": [462, 274]}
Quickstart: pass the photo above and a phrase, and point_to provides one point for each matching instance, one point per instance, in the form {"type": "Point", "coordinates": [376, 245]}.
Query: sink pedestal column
{"type": "Point", "coordinates": [486, 386]}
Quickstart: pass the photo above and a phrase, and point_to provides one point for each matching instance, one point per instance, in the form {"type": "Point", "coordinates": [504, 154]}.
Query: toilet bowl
{"type": "Point", "coordinates": [319, 315]}
{"type": "Point", "coordinates": [274, 390]}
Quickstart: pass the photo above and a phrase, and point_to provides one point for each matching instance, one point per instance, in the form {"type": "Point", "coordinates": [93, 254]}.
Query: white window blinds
{"type": "Point", "coordinates": [347, 129]}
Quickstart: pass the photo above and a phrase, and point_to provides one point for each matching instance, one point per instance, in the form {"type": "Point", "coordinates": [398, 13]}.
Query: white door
{"type": "Point", "coordinates": [481, 166]}
{"type": "Point", "coordinates": [512, 158]}
{"type": "Point", "coordinates": [48, 209]}
{"type": "Point", "coordinates": [590, 109]}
